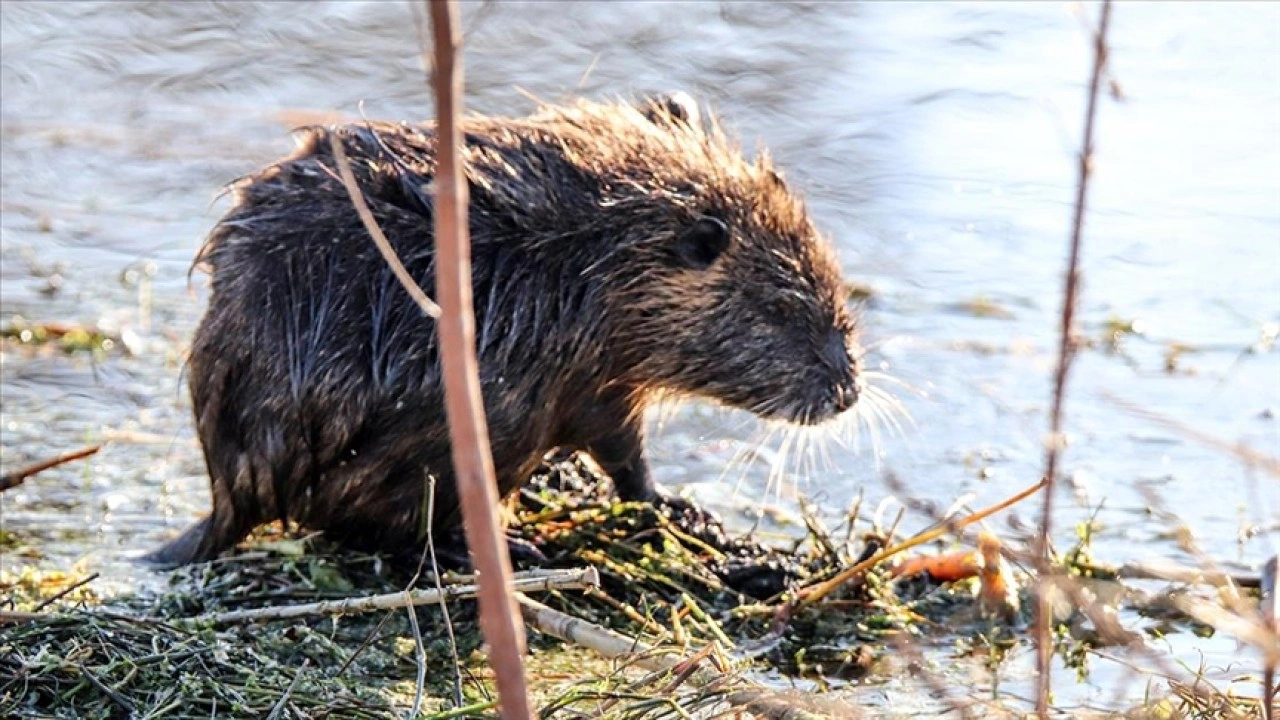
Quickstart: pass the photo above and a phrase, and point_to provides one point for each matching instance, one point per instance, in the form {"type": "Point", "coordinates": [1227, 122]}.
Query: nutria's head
{"type": "Point", "coordinates": [721, 287]}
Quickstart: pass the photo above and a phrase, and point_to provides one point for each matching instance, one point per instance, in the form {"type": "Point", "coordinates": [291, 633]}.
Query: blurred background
{"type": "Point", "coordinates": [935, 142]}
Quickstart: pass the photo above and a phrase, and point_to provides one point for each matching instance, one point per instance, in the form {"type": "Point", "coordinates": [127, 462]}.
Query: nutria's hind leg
{"type": "Point", "coordinates": [182, 550]}
{"type": "Point", "coordinates": [200, 542]}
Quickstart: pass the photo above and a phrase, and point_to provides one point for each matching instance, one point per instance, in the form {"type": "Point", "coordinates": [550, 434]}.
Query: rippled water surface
{"type": "Point", "coordinates": [935, 142]}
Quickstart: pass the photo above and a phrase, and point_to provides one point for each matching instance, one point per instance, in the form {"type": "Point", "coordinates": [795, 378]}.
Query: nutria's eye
{"type": "Point", "coordinates": [672, 108]}
{"type": "Point", "coordinates": [700, 245]}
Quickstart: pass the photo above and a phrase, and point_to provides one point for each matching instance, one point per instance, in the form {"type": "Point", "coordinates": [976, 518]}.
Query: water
{"type": "Point", "coordinates": [935, 143]}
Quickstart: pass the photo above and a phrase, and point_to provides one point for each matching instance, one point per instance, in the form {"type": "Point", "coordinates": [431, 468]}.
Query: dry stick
{"type": "Point", "coordinates": [500, 620]}
{"type": "Point", "coordinates": [16, 478]}
{"type": "Point", "coordinates": [116, 697]}
{"type": "Point", "coordinates": [542, 581]}
{"type": "Point", "coordinates": [1112, 632]}
{"type": "Point", "coordinates": [419, 656]}
{"type": "Point", "coordinates": [1270, 603]}
{"type": "Point", "coordinates": [363, 645]}
{"type": "Point", "coordinates": [1245, 454]}
{"type": "Point", "coordinates": [375, 232]}
{"type": "Point", "coordinates": [745, 696]}
{"type": "Point", "coordinates": [1066, 350]}
{"type": "Point", "coordinates": [65, 592]}
{"type": "Point", "coordinates": [444, 604]}
{"type": "Point", "coordinates": [1251, 629]}
{"type": "Point", "coordinates": [1172, 572]}
{"type": "Point", "coordinates": [814, 593]}
{"type": "Point", "coordinates": [293, 685]}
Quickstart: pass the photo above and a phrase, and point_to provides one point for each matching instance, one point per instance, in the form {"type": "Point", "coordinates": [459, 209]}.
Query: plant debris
{"type": "Point", "coordinates": [670, 577]}
{"type": "Point", "coordinates": [69, 339]}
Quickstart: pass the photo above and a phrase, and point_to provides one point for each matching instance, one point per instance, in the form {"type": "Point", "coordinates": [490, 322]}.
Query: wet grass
{"type": "Point", "coordinates": [674, 580]}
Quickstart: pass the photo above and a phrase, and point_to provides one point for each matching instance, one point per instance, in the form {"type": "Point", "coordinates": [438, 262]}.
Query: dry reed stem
{"type": "Point", "coordinates": [1169, 571]}
{"type": "Point", "coordinates": [17, 477]}
{"type": "Point", "coordinates": [1270, 602]}
{"type": "Point", "coordinates": [430, 551]}
{"type": "Point", "coordinates": [500, 619]}
{"type": "Point", "coordinates": [1245, 454]}
{"type": "Point", "coordinates": [66, 591]}
{"type": "Point", "coordinates": [375, 232]}
{"type": "Point", "coordinates": [293, 685]}
{"type": "Point", "coordinates": [1066, 351]}
{"type": "Point", "coordinates": [743, 695]}
{"type": "Point", "coordinates": [814, 593]}
{"type": "Point", "coordinates": [539, 581]}
{"type": "Point", "coordinates": [1248, 629]}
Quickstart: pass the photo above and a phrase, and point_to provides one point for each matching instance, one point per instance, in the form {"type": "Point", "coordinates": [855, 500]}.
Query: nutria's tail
{"type": "Point", "coordinates": [189, 547]}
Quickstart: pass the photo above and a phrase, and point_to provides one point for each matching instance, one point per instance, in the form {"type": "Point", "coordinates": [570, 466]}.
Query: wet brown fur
{"type": "Point", "coordinates": [620, 251]}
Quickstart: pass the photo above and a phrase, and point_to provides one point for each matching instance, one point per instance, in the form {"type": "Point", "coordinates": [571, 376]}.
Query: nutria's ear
{"type": "Point", "coordinates": [701, 243]}
{"type": "Point", "coordinates": [672, 109]}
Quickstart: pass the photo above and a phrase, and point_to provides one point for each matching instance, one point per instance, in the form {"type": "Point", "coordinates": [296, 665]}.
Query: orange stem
{"type": "Point", "coordinates": [500, 618]}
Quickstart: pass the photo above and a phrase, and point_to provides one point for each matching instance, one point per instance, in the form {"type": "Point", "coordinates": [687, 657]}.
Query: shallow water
{"type": "Point", "coordinates": [935, 143]}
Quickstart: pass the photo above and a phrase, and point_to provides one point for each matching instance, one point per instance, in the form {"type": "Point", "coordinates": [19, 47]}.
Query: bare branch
{"type": "Point", "coordinates": [1066, 352]}
{"type": "Point", "coordinates": [375, 232]}
{"type": "Point", "coordinates": [500, 619]}
{"type": "Point", "coordinates": [17, 477]}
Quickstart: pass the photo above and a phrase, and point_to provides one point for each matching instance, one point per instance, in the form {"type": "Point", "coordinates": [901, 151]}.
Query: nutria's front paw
{"type": "Point", "coordinates": [685, 512]}
{"type": "Point", "coordinates": [524, 553]}
{"type": "Point", "coordinates": [757, 579]}
{"type": "Point", "coordinates": [453, 554]}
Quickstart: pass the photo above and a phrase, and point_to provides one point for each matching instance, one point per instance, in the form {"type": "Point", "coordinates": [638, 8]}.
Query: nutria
{"type": "Point", "coordinates": [621, 252]}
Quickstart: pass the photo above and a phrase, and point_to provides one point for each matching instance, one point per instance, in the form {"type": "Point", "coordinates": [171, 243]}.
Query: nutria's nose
{"type": "Point", "coordinates": [846, 396]}
{"type": "Point", "coordinates": [837, 356]}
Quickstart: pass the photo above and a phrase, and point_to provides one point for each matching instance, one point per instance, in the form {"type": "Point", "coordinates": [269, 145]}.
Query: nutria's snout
{"type": "Point", "coordinates": [846, 396]}
{"type": "Point", "coordinates": [833, 386]}
{"type": "Point", "coordinates": [840, 356]}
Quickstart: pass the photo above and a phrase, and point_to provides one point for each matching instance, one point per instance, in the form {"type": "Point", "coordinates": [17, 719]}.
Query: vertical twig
{"type": "Point", "coordinates": [1270, 602]}
{"type": "Point", "coordinates": [419, 656]}
{"type": "Point", "coordinates": [500, 619]}
{"type": "Point", "coordinates": [430, 551]}
{"type": "Point", "coordinates": [1066, 351]}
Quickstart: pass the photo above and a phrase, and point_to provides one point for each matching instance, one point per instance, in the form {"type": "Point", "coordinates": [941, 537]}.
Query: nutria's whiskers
{"type": "Point", "coordinates": [882, 409]}
{"type": "Point", "coordinates": [756, 450]}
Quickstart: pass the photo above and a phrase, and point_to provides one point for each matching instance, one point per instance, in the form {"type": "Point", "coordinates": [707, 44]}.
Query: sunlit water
{"type": "Point", "coordinates": [935, 142]}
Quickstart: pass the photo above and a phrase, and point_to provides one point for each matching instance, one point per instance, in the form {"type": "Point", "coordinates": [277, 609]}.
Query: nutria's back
{"type": "Point", "coordinates": [618, 251]}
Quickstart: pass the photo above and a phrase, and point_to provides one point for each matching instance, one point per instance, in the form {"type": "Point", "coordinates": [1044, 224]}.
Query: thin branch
{"type": "Point", "coordinates": [1242, 452]}
{"type": "Point", "coordinates": [500, 620]}
{"type": "Point", "coordinates": [375, 232]}
{"type": "Point", "coordinates": [1270, 603]}
{"type": "Point", "coordinates": [539, 582]}
{"type": "Point", "coordinates": [419, 656]}
{"type": "Point", "coordinates": [66, 591]}
{"type": "Point", "coordinates": [278, 710]}
{"type": "Point", "coordinates": [1169, 571]}
{"type": "Point", "coordinates": [16, 478]}
{"type": "Point", "coordinates": [116, 697]}
{"type": "Point", "coordinates": [814, 593]}
{"type": "Point", "coordinates": [1066, 352]}
{"type": "Point", "coordinates": [430, 551]}
{"type": "Point", "coordinates": [743, 695]}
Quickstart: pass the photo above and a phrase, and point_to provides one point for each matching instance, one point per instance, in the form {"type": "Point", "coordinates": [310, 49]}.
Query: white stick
{"type": "Point", "coordinates": [540, 581]}
{"type": "Point", "coordinates": [742, 694]}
